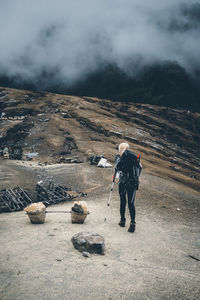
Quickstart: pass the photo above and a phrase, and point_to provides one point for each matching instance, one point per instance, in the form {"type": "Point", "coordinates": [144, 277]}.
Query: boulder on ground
{"type": "Point", "coordinates": [94, 159]}
{"type": "Point", "coordinates": [89, 242]}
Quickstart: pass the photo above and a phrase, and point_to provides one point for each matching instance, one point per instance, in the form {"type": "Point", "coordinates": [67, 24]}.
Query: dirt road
{"type": "Point", "coordinates": [39, 261]}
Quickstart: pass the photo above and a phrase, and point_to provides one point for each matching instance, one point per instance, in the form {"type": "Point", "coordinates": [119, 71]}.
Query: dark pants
{"type": "Point", "coordinates": [130, 191]}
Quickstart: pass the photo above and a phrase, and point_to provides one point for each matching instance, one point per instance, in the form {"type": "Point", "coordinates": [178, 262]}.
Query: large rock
{"type": "Point", "coordinates": [89, 241]}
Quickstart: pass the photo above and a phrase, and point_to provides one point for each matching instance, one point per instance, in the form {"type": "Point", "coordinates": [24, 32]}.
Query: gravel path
{"type": "Point", "coordinates": [39, 261]}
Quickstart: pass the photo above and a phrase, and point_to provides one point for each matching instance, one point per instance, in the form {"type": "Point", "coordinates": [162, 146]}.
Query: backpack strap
{"type": "Point", "coordinates": [136, 171]}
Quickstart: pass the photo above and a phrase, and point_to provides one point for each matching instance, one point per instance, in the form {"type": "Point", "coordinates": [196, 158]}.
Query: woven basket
{"type": "Point", "coordinates": [37, 217]}
{"type": "Point", "coordinates": [77, 218]}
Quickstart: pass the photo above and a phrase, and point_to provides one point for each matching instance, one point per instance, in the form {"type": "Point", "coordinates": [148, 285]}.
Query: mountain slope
{"type": "Point", "coordinates": [64, 128]}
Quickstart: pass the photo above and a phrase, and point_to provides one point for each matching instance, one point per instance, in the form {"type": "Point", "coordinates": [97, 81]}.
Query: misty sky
{"type": "Point", "coordinates": [72, 38]}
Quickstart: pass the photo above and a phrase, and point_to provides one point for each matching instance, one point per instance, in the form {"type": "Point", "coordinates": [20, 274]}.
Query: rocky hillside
{"type": "Point", "coordinates": [62, 128]}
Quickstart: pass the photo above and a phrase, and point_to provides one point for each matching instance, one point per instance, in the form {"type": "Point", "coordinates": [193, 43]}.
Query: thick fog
{"type": "Point", "coordinates": [72, 38]}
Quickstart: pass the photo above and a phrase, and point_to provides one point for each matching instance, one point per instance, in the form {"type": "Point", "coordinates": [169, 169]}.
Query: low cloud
{"type": "Point", "coordinates": [72, 39]}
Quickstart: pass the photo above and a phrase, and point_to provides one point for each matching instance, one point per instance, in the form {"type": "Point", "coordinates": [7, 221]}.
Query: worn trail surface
{"type": "Point", "coordinates": [39, 261]}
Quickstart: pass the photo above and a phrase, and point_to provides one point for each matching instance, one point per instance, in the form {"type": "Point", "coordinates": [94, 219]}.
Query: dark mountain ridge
{"type": "Point", "coordinates": [167, 84]}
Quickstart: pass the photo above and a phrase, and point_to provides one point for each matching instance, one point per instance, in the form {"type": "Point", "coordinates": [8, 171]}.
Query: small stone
{"type": "Point", "coordinates": [89, 242]}
{"type": "Point", "coordinates": [86, 254]}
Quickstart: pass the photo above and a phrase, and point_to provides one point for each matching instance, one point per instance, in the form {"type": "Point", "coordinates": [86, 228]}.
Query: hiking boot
{"type": "Point", "coordinates": [122, 222]}
{"type": "Point", "coordinates": [131, 227]}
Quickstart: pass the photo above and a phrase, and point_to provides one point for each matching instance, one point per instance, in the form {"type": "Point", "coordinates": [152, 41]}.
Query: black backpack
{"type": "Point", "coordinates": [131, 166]}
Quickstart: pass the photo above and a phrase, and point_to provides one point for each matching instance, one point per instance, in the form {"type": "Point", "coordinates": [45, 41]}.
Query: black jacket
{"type": "Point", "coordinates": [126, 165]}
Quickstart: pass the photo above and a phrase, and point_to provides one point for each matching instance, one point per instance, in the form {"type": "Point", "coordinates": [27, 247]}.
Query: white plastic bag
{"type": "Point", "coordinates": [102, 163]}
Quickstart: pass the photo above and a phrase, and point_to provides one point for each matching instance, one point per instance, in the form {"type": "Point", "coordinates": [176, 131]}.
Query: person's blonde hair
{"type": "Point", "coordinates": [123, 147]}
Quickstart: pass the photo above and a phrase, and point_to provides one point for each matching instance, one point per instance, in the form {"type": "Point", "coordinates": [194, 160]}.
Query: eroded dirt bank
{"type": "Point", "coordinates": [39, 261]}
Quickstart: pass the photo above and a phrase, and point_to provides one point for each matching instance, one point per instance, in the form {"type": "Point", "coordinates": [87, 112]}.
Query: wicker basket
{"type": "Point", "coordinates": [36, 212]}
{"type": "Point", "coordinates": [77, 218]}
{"type": "Point", "coordinates": [37, 217]}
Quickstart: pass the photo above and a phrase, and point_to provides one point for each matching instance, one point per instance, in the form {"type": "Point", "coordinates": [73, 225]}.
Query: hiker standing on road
{"type": "Point", "coordinates": [129, 168]}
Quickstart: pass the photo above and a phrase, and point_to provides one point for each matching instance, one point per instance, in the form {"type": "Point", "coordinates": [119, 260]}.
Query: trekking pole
{"type": "Point", "coordinates": [111, 191]}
